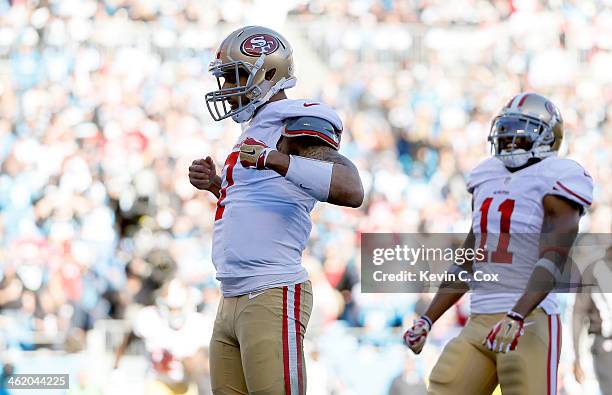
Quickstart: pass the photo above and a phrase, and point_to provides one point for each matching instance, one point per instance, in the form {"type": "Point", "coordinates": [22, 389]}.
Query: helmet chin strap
{"type": "Point", "coordinates": [245, 114]}
{"type": "Point", "coordinates": [249, 110]}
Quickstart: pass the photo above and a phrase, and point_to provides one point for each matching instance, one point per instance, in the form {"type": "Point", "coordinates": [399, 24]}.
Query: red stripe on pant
{"type": "Point", "coordinates": [558, 349]}
{"type": "Point", "coordinates": [554, 340]}
{"type": "Point", "coordinates": [559, 333]}
{"type": "Point", "coordinates": [286, 344]}
{"type": "Point", "coordinates": [548, 359]}
{"type": "Point", "coordinates": [298, 340]}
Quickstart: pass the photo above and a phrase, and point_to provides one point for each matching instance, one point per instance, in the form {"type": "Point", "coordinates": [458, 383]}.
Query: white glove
{"type": "Point", "coordinates": [415, 336]}
{"type": "Point", "coordinates": [253, 154]}
{"type": "Point", "coordinates": [504, 336]}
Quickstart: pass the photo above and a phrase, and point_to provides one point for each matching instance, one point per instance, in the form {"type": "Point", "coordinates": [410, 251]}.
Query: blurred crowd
{"type": "Point", "coordinates": [102, 111]}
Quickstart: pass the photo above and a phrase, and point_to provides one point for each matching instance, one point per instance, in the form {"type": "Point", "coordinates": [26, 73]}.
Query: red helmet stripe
{"type": "Point", "coordinates": [523, 99]}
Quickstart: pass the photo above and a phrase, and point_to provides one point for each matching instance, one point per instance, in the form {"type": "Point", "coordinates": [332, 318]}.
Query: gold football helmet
{"type": "Point", "coordinates": [529, 126]}
{"type": "Point", "coordinates": [261, 55]}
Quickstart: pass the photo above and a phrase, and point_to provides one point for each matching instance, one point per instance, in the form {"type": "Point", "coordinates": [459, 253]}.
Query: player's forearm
{"type": "Point", "coordinates": [443, 301]}
{"type": "Point", "coordinates": [546, 273]}
{"type": "Point", "coordinates": [539, 286]}
{"type": "Point", "coordinates": [278, 162]}
{"type": "Point", "coordinates": [451, 291]}
{"type": "Point", "coordinates": [553, 251]}
{"type": "Point", "coordinates": [559, 230]}
{"type": "Point", "coordinates": [345, 188]}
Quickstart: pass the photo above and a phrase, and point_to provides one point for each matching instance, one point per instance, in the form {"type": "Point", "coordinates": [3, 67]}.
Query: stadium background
{"type": "Point", "coordinates": [102, 111]}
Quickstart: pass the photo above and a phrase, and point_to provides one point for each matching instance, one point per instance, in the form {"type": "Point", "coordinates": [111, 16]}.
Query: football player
{"type": "Point", "coordinates": [172, 331]}
{"type": "Point", "coordinates": [285, 160]}
{"type": "Point", "coordinates": [527, 203]}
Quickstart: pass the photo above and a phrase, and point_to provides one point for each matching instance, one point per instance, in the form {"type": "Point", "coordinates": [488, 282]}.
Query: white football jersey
{"type": "Point", "coordinates": [507, 221]}
{"type": "Point", "coordinates": [165, 346]}
{"type": "Point", "coordinates": [262, 222]}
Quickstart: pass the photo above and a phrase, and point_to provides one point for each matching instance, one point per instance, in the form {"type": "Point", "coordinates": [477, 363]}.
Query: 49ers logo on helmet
{"type": "Point", "coordinates": [552, 110]}
{"type": "Point", "coordinates": [259, 44]}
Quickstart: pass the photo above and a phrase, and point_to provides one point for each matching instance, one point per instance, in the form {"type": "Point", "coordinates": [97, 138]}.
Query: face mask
{"type": "Point", "coordinates": [245, 114]}
{"type": "Point", "coordinates": [515, 158]}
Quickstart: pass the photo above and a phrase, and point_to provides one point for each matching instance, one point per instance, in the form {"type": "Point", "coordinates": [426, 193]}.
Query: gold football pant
{"type": "Point", "coordinates": [257, 342]}
{"type": "Point", "coordinates": [466, 367]}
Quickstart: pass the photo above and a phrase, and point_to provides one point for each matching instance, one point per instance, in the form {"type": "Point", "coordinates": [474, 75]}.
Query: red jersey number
{"type": "Point", "coordinates": [230, 162]}
{"type": "Point", "coordinates": [501, 254]}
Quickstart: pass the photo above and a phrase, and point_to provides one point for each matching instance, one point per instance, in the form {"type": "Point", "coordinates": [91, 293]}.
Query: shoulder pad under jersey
{"type": "Point", "coordinates": [313, 127]}
{"type": "Point", "coordinates": [570, 180]}
{"type": "Point", "coordinates": [309, 108]}
{"type": "Point", "coordinates": [486, 170]}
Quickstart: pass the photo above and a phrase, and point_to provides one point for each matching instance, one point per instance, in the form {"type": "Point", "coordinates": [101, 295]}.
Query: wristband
{"type": "Point", "coordinates": [428, 320]}
{"type": "Point", "coordinates": [311, 176]}
{"type": "Point", "coordinates": [263, 158]}
{"type": "Point", "coordinates": [515, 316]}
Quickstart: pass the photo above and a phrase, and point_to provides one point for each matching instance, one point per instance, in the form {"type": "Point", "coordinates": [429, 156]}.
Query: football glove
{"type": "Point", "coordinates": [505, 334]}
{"type": "Point", "coordinates": [415, 337]}
{"type": "Point", "coordinates": [253, 154]}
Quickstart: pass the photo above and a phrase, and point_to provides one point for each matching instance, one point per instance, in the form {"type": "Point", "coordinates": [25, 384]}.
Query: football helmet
{"type": "Point", "coordinates": [261, 55]}
{"type": "Point", "coordinates": [529, 126]}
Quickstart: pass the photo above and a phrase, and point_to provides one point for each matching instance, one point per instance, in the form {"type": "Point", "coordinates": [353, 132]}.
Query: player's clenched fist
{"type": "Point", "coordinates": [253, 154]}
{"type": "Point", "coordinates": [505, 334]}
{"type": "Point", "coordinates": [203, 174]}
{"type": "Point", "coordinates": [415, 336]}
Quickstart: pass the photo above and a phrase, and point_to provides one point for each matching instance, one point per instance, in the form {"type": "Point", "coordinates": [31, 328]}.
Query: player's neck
{"type": "Point", "coordinates": [531, 161]}
{"type": "Point", "coordinates": [277, 96]}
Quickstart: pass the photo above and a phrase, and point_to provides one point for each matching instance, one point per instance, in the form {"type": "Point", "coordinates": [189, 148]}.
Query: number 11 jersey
{"type": "Point", "coordinates": [507, 221]}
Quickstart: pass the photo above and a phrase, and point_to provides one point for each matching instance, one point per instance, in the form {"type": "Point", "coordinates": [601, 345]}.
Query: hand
{"type": "Point", "coordinates": [415, 337]}
{"type": "Point", "coordinates": [578, 372]}
{"type": "Point", "coordinates": [202, 173]}
{"type": "Point", "coordinates": [504, 336]}
{"type": "Point", "coordinates": [253, 154]}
